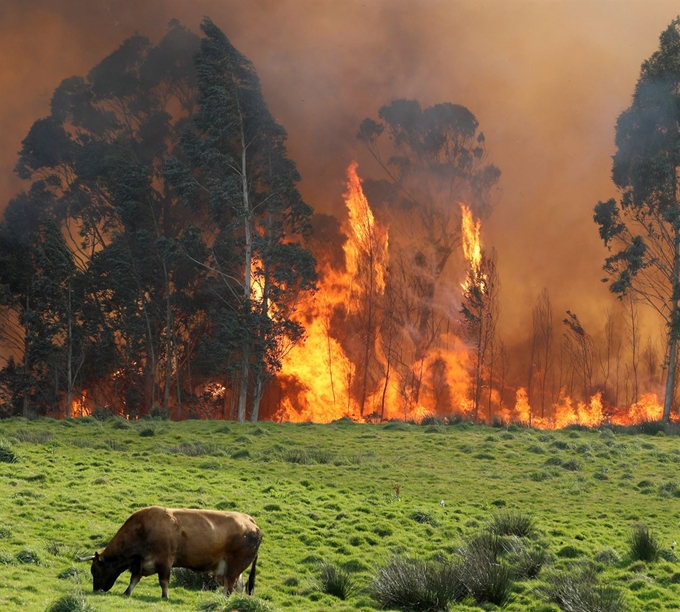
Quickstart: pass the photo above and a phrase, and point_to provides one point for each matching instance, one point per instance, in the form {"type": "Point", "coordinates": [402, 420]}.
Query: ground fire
{"type": "Point", "coordinates": [324, 376]}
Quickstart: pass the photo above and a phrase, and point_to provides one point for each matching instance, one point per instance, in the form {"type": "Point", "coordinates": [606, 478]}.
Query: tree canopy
{"type": "Point", "coordinates": [642, 227]}
{"type": "Point", "coordinates": [118, 266]}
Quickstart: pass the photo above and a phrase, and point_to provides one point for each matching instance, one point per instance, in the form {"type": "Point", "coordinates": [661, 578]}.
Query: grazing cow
{"type": "Point", "coordinates": [154, 540]}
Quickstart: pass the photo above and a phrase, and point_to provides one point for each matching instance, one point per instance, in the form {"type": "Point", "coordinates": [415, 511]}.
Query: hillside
{"type": "Point", "coordinates": [346, 494]}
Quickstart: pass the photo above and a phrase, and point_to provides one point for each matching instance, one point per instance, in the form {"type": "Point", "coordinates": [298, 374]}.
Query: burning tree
{"type": "Point", "coordinates": [438, 158]}
{"type": "Point", "coordinates": [480, 304]}
{"type": "Point", "coordinates": [236, 171]}
{"type": "Point", "coordinates": [643, 227]}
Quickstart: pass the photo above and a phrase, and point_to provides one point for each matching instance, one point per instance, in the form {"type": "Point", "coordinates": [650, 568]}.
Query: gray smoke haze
{"type": "Point", "coordinates": [545, 78]}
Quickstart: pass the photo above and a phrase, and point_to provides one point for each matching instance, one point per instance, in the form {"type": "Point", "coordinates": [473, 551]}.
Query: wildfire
{"type": "Point", "coordinates": [472, 244]}
{"type": "Point", "coordinates": [361, 358]}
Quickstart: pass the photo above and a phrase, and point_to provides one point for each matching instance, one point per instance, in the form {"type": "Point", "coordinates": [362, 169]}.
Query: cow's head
{"type": "Point", "coordinates": [104, 574]}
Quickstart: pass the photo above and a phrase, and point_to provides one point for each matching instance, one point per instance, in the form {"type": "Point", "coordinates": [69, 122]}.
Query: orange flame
{"type": "Point", "coordinates": [472, 245]}
{"type": "Point", "coordinates": [318, 377]}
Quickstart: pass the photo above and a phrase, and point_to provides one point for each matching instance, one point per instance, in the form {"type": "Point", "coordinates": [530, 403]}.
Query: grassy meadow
{"type": "Point", "coordinates": [345, 499]}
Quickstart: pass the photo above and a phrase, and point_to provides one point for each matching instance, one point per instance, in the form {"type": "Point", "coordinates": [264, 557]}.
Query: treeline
{"type": "Point", "coordinates": [156, 259]}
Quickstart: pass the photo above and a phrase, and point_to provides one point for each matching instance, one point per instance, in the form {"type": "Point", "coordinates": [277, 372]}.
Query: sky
{"type": "Point", "coordinates": [546, 80]}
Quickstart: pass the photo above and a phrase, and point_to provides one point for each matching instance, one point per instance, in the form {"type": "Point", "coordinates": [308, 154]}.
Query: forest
{"type": "Point", "coordinates": [162, 261]}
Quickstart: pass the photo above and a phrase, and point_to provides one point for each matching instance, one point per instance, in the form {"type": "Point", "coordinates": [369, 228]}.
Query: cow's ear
{"type": "Point", "coordinates": [98, 558]}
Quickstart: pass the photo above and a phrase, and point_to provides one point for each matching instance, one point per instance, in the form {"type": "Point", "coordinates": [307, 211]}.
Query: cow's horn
{"type": "Point", "coordinates": [88, 558]}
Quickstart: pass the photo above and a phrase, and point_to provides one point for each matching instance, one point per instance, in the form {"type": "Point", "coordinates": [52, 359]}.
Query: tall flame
{"type": "Point", "coordinates": [472, 244]}
{"type": "Point", "coordinates": [319, 371]}
{"type": "Point", "coordinates": [318, 380]}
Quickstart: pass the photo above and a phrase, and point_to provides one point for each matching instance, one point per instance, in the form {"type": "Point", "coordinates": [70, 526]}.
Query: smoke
{"type": "Point", "coordinates": [546, 80]}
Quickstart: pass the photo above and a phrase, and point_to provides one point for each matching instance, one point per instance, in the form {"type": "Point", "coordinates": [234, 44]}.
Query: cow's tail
{"type": "Point", "coordinates": [250, 586]}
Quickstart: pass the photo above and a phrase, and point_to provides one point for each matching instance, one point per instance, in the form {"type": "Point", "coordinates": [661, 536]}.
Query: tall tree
{"type": "Point", "coordinates": [542, 322]}
{"type": "Point", "coordinates": [480, 317]}
{"type": "Point", "coordinates": [435, 159]}
{"type": "Point", "coordinates": [236, 168]}
{"type": "Point", "coordinates": [643, 227]}
{"type": "Point", "coordinates": [99, 156]}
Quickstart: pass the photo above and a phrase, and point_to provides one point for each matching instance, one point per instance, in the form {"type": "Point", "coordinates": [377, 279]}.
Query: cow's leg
{"type": "Point", "coordinates": [232, 575]}
{"type": "Point", "coordinates": [134, 580]}
{"type": "Point", "coordinates": [163, 570]}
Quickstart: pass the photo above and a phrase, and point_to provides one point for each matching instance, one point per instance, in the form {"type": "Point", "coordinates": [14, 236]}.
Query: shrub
{"type": "Point", "coordinates": [121, 423]}
{"type": "Point", "coordinates": [320, 455]}
{"type": "Point", "coordinates": [417, 586]}
{"type": "Point", "coordinates": [74, 602]}
{"type": "Point", "coordinates": [579, 591]}
{"type": "Point", "coordinates": [336, 581]}
{"type": "Point", "coordinates": [7, 455]}
{"type": "Point", "coordinates": [573, 465]}
{"type": "Point", "coordinates": [607, 556]}
{"type": "Point", "coordinates": [569, 552]}
{"type": "Point", "coordinates": [527, 561]}
{"type": "Point", "coordinates": [28, 556]}
{"type": "Point", "coordinates": [237, 603]}
{"type": "Point", "coordinates": [69, 572]}
{"type": "Point", "coordinates": [485, 577]}
{"type": "Point", "coordinates": [512, 524]}
{"type": "Point", "coordinates": [296, 456]}
{"type": "Point", "coordinates": [194, 581]}
{"type": "Point", "coordinates": [643, 544]}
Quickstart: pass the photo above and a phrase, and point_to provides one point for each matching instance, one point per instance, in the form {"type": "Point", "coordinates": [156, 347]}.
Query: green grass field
{"type": "Point", "coordinates": [347, 495]}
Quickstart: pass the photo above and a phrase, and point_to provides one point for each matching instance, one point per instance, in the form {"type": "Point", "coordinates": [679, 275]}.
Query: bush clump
{"type": "Point", "coordinates": [415, 585]}
{"type": "Point", "coordinates": [643, 544]}
{"type": "Point", "coordinates": [484, 575]}
{"type": "Point", "coordinates": [526, 560]}
{"type": "Point", "coordinates": [237, 603]}
{"type": "Point", "coordinates": [579, 591]}
{"type": "Point", "coordinates": [335, 580]}
{"type": "Point", "coordinates": [7, 454]}
{"type": "Point", "coordinates": [512, 524]}
{"type": "Point", "coordinates": [73, 602]}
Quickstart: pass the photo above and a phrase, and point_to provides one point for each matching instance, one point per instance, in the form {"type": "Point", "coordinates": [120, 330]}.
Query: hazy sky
{"type": "Point", "coordinates": [545, 78]}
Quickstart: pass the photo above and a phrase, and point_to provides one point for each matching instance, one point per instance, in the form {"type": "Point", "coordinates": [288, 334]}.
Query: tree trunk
{"type": "Point", "coordinates": [673, 332]}
{"type": "Point", "coordinates": [248, 255]}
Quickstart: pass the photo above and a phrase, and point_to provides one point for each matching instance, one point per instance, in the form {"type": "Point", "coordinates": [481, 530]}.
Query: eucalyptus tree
{"type": "Point", "coordinates": [233, 167]}
{"type": "Point", "coordinates": [434, 160]}
{"type": "Point", "coordinates": [99, 155]}
{"type": "Point", "coordinates": [40, 307]}
{"type": "Point", "coordinates": [642, 228]}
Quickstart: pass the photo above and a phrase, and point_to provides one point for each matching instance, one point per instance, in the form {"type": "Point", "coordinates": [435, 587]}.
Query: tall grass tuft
{"type": "Point", "coordinates": [526, 559]}
{"type": "Point", "coordinates": [337, 581]}
{"type": "Point", "coordinates": [484, 575]}
{"type": "Point", "coordinates": [643, 544]}
{"type": "Point", "coordinates": [73, 602]}
{"type": "Point", "coordinates": [7, 454]}
{"type": "Point", "coordinates": [237, 603]}
{"type": "Point", "coordinates": [579, 591]}
{"type": "Point", "coordinates": [511, 523]}
{"type": "Point", "coordinates": [414, 585]}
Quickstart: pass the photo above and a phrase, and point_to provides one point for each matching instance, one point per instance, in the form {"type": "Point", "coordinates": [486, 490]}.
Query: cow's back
{"type": "Point", "coordinates": [206, 536]}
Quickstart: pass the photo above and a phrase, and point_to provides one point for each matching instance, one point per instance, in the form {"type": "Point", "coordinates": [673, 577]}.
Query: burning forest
{"type": "Point", "coordinates": [161, 259]}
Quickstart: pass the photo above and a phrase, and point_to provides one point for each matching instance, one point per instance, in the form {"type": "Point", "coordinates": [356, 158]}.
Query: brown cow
{"type": "Point", "coordinates": [154, 540]}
